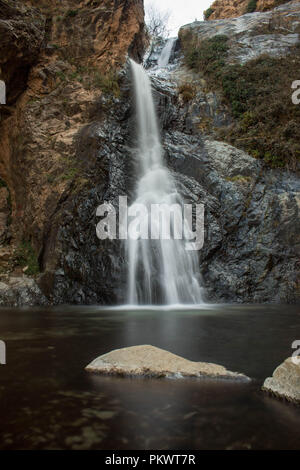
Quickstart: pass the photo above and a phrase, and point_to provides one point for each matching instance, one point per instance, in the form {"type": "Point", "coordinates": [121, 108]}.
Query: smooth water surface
{"type": "Point", "coordinates": [48, 400]}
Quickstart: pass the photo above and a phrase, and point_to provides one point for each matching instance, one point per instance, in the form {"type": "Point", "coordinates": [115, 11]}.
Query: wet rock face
{"type": "Point", "coordinates": [251, 247]}
{"type": "Point", "coordinates": [273, 33]}
{"type": "Point", "coordinates": [252, 226]}
{"type": "Point", "coordinates": [20, 291]}
{"type": "Point", "coordinates": [78, 267]}
{"type": "Point", "coordinates": [248, 254]}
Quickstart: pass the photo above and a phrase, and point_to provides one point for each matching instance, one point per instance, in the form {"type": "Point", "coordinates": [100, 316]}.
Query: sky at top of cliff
{"type": "Point", "coordinates": [182, 11]}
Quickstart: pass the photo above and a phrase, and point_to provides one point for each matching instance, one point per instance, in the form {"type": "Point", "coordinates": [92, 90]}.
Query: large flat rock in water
{"type": "Point", "coordinates": [149, 361]}
{"type": "Point", "coordinates": [285, 382]}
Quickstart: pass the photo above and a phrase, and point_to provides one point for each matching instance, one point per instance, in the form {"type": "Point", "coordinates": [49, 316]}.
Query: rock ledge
{"type": "Point", "coordinates": [149, 361]}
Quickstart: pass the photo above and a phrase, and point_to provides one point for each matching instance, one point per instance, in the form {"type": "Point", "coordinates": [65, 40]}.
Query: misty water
{"type": "Point", "coordinates": [48, 400]}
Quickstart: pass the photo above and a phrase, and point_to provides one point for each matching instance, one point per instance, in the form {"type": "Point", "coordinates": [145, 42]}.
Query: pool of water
{"type": "Point", "coordinates": [48, 400]}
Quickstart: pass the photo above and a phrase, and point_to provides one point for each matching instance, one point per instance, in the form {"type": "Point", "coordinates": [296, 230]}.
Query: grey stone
{"type": "Point", "coordinates": [273, 32]}
{"type": "Point", "coordinates": [149, 361]}
{"type": "Point", "coordinates": [20, 291]}
{"type": "Point", "coordinates": [285, 382]}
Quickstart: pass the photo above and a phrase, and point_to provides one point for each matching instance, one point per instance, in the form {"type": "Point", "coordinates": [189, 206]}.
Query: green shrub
{"type": "Point", "coordinates": [275, 161]}
{"type": "Point", "coordinates": [63, 77]}
{"type": "Point", "coordinates": [209, 56]}
{"type": "Point", "coordinates": [267, 122]}
{"type": "Point", "coordinates": [26, 256]}
{"type": "Point", "coordinates": [71, 13]}
{"type": "Point", "coordinates": [251, 7]}
{"type": "Point", "coordinates": [50, 179]}
{"type": "Point", "coordinates": [2, 183]}
{"type": "Point", "coordinates": [208, 13]}
{"type": "Point", "coordinates": [108, 83]}
{"type": "Point", "coordinates": [69, 174]}
{"type": "Point", "coordinates": [90, 77]}
{"type": "Point", "coordinates": [248, 119]}
{"type": "Point", "coordinates": [236, 89]}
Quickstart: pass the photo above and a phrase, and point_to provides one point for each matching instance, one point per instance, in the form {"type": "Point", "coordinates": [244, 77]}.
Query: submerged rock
{"type": "Point", "coordinates": [149, 361]}
{"type": "Point", "coordinates": [285, 382]}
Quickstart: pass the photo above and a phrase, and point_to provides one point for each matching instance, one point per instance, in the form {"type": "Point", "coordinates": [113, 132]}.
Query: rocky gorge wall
{"type": "Point", "coordinates": [255, 213]}
{"type": "Point", "coordinates": [57, 59]}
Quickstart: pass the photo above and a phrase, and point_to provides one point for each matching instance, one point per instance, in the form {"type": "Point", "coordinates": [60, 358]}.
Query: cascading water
{"type": "Point", "coordinates": [166, 53]}
{"type": "Point", "coordinates": [161, 271]}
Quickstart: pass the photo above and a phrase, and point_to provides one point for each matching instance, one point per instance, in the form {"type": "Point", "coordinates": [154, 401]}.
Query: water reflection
{"type": "Point", "coordinates": [49, 401]}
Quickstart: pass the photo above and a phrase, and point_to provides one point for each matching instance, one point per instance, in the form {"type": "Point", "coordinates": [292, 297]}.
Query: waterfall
{"type": "Point", "coordinates": [160, 271]}
{"type": "Point", "coordinates": [166, 53]}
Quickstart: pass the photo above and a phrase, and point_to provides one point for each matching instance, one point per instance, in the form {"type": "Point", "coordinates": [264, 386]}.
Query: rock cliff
{"type": "Point", "coordinates": [221, 9]}
{"type": "Point", "coordinates": [236, 86]}
{"type": "Point", "coordinates": [57, 60]}
{"type": "Point", "coordinates": [252, 62]}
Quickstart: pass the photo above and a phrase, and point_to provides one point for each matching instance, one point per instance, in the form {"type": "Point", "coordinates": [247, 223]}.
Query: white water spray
{"type": "Point", "coordinates": [160, 271]}
{"type": "Point", "coordinates": [166, 53]}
